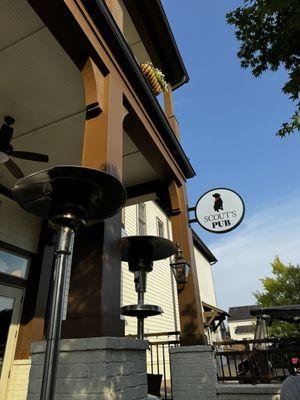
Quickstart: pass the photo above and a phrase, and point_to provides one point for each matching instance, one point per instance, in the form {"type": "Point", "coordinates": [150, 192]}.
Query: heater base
{"type": "Point", "coordinates": [141, 311]}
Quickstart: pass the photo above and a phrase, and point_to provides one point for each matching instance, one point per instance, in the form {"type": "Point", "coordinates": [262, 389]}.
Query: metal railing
{"type": "Point", "coordinates": [257, 361]}
{"type": "Point", "coordinates": [158, 360]}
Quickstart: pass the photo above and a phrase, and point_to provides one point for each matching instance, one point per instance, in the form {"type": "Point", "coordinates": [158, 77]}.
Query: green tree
{"type": "Point", "coordinates": [280, 290]}
{"type": "Point", "coordinates": [269, 33]}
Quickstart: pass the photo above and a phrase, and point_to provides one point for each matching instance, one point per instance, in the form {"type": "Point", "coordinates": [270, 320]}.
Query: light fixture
{"type": "Point", "coordinates": [180, 269]}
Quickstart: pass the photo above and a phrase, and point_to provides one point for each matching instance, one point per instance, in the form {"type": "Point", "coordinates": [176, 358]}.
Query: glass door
{"type": "Point", "coordinates": [10, 310]}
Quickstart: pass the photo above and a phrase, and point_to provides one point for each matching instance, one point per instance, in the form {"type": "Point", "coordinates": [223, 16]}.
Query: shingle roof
{"type": "Point", "coordinates": [240, 313]}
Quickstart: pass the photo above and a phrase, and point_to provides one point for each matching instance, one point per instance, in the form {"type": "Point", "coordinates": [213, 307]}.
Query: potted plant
{"type": "Point", "coordinates": [155, 77]}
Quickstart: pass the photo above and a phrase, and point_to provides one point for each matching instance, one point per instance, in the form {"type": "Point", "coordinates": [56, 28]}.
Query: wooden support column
{"type": "Point", "coordinates": [94, 296]}
{"type": "Point", "coordinates": [169, 111]}
{"type": "Point", "coordinates": [190, 307]}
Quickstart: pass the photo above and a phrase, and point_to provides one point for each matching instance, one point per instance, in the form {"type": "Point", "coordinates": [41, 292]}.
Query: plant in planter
{"type": "Point", "coordinates": [155, 77]}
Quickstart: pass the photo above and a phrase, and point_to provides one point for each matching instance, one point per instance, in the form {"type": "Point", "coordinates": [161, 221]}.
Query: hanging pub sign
{"type": "Point", "coordinates": [220, 210]}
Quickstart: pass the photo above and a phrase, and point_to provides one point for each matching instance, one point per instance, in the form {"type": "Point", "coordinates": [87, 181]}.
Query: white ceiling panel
{"type": "Point", "coordinates": [17, 21]}
{"type": "Point", "coordinates": [39, 84]}
{"type": "Point", "coordinates": [62, 142]}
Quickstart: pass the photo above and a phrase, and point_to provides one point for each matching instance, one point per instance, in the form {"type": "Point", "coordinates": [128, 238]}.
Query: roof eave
{"type": "Point", "coordinates": [153, 26]}
{"type": "Point", "coordinates": [201, 246]}
{"type": "Point", "coordinates": [108, 27]}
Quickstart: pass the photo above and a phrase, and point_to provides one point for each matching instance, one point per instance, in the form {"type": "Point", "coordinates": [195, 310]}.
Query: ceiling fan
{"type": "Point", "coordinates": [7, 151]}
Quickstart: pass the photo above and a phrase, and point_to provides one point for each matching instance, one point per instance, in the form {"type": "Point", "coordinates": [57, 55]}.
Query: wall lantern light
{"type": "Point", "coordinates": [180, 269]}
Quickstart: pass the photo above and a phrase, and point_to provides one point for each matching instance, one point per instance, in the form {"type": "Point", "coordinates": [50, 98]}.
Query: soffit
{"type": "Point", "coordinates": [133, 38]}
{"type": "Point", "coordinates": [136, 169]}
{"type": "Point", "coordinates": [41, 88]}
{"type": "Point", "coordinates": [17, 21]}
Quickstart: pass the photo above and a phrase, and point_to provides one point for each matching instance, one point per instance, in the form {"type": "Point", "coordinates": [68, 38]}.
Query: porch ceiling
{"type": "Point", "coordinates": [136, 169]}
{"type": "Point", "coordinates": [41, 88]}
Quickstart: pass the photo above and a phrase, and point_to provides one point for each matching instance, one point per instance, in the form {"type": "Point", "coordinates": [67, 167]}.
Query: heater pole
{"type": "Point", "coordinates": [68, 196]}
{"type": "Point", "coordinates": [141, 288]}
{"type": "Point", "coordinates": [62, 254]}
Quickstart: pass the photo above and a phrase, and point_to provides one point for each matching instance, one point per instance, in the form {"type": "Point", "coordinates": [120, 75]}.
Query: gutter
{"type": "Point", "coordinates": [201, 246]}
{"type": "Point", "coordinates": [151, 22]}
{"type": "Point", "coordinates": [108, 28]}
{"type": "Point", "coordinates": [185, 78]}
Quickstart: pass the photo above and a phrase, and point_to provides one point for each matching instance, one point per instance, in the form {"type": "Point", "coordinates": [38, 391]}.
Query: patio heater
{"type": "Point", "coordinates": [69, 197]}
{"type": "Point", "coordinates": [140, 252]}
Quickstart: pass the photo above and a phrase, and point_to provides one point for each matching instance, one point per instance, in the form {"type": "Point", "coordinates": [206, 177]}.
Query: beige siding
{"type": "Point", "coordinates": [159, 287]}
{"type": "Point", "coordinates": [19, 379]}
{"type": "Point", "coordinates": [18, 227]}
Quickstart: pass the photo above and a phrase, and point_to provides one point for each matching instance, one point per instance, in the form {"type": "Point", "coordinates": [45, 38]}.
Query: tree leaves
{"type": "Point", "coordinates": [280, 290]}
{"type": "Point", "coordinates": [269, 32]}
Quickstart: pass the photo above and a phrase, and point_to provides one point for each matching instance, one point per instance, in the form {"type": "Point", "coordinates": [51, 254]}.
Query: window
{"type": "Point", "coordinates": [142, 219]}
{"type": "Point", "coordinates": [160, 228]}
{"type": "Point", "coordinates": [13, 264]}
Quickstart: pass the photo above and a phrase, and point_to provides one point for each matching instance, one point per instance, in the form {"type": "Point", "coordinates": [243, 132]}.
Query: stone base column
{"type": "Point", "coordinates": [104, 368]}
{"type": "Point", "coordinates": [193, 372]}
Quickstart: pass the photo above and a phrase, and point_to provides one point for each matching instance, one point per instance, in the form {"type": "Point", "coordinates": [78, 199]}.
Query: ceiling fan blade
{"type": "Point", "coordinates": [27, 155]}
{"type": "Point", "coordinates": [14, 169]}
{"type": "Point", "coordinates": [6, 133]}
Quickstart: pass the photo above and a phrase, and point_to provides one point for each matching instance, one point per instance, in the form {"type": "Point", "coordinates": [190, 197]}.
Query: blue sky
{"type": "Point", "coordinates": [228, 121]}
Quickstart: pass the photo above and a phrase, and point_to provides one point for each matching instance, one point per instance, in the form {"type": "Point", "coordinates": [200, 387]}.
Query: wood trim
{"type": "Point", "coordinates": [76, 28]}
{"type": "Point", "coordinates": [189, 300]}
{"type": "Point", "coordinates": [36, 295]}
{"type": "Point", "coordinates": [208, 314]}
{"type": "Point", "coordinates": [96, 268]}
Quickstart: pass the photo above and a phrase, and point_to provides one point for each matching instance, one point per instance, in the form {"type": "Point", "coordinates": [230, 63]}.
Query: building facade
{"type": "Point", "coordinates": [241, 323]}
{"type": "Point", "coordinates": [71, 79]}
{"type": "Point", "coordinates": [148, 218]}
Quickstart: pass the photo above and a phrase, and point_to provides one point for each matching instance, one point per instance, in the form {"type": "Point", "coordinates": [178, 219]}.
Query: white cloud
{"type": "Point", "coordinates": [3, 265]}
{"type": "Point", "coordinates": [245, 254]}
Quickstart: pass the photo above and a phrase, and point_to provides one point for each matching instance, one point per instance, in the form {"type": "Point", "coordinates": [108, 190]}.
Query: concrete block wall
{"type": "Point", "coordinates": [18, 382]}
{"type": "Point", "coordinates": [248, 392]}
{"type": "Point", "coordinates": [94, 369]}
{"type": "Point", "coordinates": [194, 377]}
{"type": "Point", "coordinates": [193, 373]}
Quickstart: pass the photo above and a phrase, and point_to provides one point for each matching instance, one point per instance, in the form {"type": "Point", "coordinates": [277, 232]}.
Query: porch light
{"type": "Point", "coordinates": [180, 269]}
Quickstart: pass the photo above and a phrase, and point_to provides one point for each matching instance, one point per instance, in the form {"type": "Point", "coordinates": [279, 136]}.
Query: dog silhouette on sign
{"type": "Point", "coordinates": [218, 205]}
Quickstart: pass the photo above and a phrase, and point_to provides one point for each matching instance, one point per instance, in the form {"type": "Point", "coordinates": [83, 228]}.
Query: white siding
{"type": "Point", "coordinates": [18, 227]}
{"type": "Point", "coordinates": [205, 279]}
{"type": "Point", "coordinates": [159, 286]}
{"type": "Point", "coordinates": [240, 336]}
